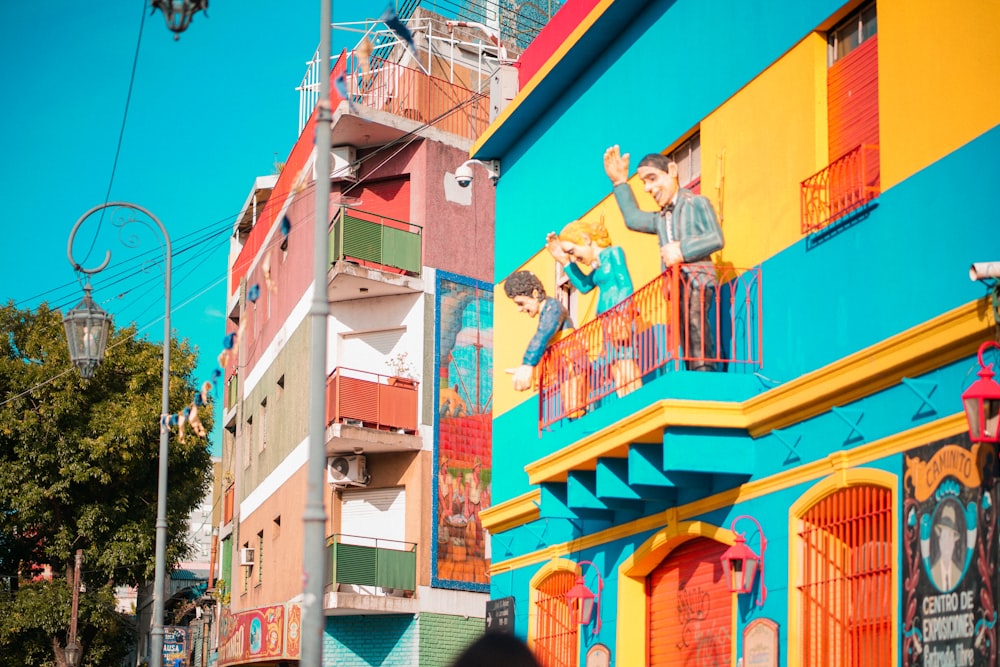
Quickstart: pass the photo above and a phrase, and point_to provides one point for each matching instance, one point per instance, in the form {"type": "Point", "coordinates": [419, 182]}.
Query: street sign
{"type": "Point", "coordinates": [500, 615]}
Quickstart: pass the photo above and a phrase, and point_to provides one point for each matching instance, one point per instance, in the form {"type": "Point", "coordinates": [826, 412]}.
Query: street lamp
{"type": "Point", "coordinates": [581, 599]}
{"type": "Point", "coordinates": [982, 401]}
{"type": "Point", "coordinates": [741, 563]}
{"type": "Point", "coordinates": [87, 329]}
{"type": "Point", "coordinates": [75, 323]}
{"type": "Point", "coordinates": [178, 13]}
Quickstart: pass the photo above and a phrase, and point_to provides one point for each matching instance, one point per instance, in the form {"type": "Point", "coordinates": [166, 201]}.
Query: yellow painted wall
{"type": "Point", "coordinates": [939, 80]}
{"type": "Point", "coordinates": [767, 138]}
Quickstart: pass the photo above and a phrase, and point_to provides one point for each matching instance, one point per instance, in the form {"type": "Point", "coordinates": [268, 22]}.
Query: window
{"type": "Point", "coordinates": [262, 431]}
{"type": "Point", "coordinates": [556, 637]}
{"type": "Point", "coordinates": [260, 557]}
{"type": "Point", "coordinates": [845, 579]}
{"type": "Point", "coordinates": [851, 33]}
{"type": "Point", "coordinates": [247, 441]}
{"type": "Point", "coordinates": [688, 159]}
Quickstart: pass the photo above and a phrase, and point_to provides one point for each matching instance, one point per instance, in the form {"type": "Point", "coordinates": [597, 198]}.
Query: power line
{"type": "Point", "coordinates": [121, 132]}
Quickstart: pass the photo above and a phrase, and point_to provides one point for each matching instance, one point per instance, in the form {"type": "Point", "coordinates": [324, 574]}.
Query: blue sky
{"type": "Point", "coordinates": [208, 114]}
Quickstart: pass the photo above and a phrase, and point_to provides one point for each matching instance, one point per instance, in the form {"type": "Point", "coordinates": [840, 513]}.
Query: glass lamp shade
{"type": "Point", "coordinates": [87, 328]}
{"type": "Point", "coordinates": [581, 603]}
{"type": "Point", "coordinates": [178, 13]}
{"type": "Point", "coordinates": [72, 653]}
{"type": "Point", "coordinates": [982, 406]}
{"type": "Point", "coordinates": [740, 564]}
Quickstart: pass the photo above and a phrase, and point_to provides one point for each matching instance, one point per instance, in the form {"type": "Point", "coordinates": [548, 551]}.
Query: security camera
{"type": "Point", "coordinates": [984, 270]}
{"type": "Point", "coordinates": [463, 175]}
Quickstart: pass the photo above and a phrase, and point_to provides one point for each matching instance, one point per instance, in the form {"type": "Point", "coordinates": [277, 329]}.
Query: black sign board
{"type": "Point", "coordinates": [500, 615]}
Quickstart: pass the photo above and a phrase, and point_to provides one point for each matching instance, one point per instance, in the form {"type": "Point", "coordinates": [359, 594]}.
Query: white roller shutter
{"type": "Point", "coordinates": [370, 514]}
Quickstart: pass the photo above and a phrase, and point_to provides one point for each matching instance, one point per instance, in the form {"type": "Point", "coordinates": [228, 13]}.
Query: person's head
{"type": "Point", "coordinates": [526, 290]}
{"type": "Point", "coordinates": [583, 240]}
{"type": "Point", "coordinates": [947, 531]}
{"type": "Point", "coordinates": [496, 649]}
{"type": "Point", "coordinates": [659, 177]}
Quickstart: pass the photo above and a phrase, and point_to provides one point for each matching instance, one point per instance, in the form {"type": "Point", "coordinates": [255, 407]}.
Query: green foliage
{"type": "Point", "coordinates": [79, 458]}
{"type": "Point", "coordinates": [40, 614]}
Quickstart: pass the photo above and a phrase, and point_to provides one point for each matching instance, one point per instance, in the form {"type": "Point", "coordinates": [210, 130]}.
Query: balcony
{"type": "Point", "coordinates": [846, 185]}
{"type": "Point", "coordinates": [371, 575]}
{"type": "Point", "coordinates": [373, 255]}
{"type": "Point", "coordinates": [377, 413]}
{"type": "Point", "coordinates": [640, 338]}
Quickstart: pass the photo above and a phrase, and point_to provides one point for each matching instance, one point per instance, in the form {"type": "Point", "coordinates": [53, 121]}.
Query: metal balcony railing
{"type": "Point", "coordinates": [845, 185]}
{"type": "Point", "coordinates": [623, 347]}
{"type": "Point", "coordinates": [380, 84]}
{"type": "Point", "coordinates": [368, 561]}
{"type": "Point", "coordinates": [376, 241]}
{"type": "Point", "coordinates": [371, 400]}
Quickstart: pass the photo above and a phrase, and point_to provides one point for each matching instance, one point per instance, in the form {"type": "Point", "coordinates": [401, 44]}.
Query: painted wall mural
{"type": "Point", "coordinates": [464, 426]}
{"type": "Point", "coordinates": [950, 554]}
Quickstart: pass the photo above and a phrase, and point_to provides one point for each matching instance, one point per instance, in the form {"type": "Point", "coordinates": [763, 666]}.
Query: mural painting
{"type": "Point", "coordinates": [950, 554]}
{"type": "Point", "coordinates": [464, 362]}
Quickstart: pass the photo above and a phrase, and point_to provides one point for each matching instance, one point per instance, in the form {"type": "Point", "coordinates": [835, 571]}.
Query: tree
{"type": "Point", "coordinates": [79, 469]}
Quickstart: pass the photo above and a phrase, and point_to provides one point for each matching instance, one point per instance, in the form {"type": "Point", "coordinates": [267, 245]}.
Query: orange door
{"type": "Point", "coordinates": [556, 638]}
{"type": "Point", "coordinates": [690, 608]}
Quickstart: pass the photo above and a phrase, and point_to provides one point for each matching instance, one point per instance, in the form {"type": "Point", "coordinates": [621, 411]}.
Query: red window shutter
{"type": "Point", "coordinates": [690, 608]}
{"type": "Point", "coordinates": [852, 99]}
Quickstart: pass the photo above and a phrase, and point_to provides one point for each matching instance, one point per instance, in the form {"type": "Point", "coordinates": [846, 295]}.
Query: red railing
{"type": "Point", "coordinates": [371, 400]}
{"type": "Point", "coordinates": [408, 92]}
{"type": "Point", "coordinates": [623, 347]}
{"type": "Point", "coordinates": [845, 185]}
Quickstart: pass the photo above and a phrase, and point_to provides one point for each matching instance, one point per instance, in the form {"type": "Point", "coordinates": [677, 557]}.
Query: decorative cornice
{"type": "Point", "coordinates": [859, 456]}
{"type": "Point", "coordinates": [949, 337]}
{"type": "Point", "coordinates": [510, 513]}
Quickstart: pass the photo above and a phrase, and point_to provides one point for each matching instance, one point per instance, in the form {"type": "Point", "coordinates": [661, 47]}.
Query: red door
{"type": "Point", "coordinates": [690, 608]}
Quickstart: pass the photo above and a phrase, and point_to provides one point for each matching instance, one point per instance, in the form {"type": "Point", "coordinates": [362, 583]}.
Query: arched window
{"type": "Point", "coordinates": [844, 592]}
{"type": "Point", "coordinates": [555, 636]}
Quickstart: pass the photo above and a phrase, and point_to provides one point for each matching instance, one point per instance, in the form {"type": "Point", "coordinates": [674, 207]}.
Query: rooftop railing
{"type": "Point", "coordinates": [624, 347]}
{"type": "Point", "coordinates": [845, 185]}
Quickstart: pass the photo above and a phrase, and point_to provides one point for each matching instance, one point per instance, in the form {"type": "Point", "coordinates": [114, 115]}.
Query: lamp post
{"type": "Point", "coordinates": [314, 514]}
{"type": "Point", "coordinates": [79, 329]}
{"type": "Point", "coordinates": [741, 563]}
{"type": "Point", "coordinates": [73, 651]}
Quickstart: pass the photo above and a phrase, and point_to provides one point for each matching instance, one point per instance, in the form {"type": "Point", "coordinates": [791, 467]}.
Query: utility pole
{"type": "Point", "coordinates": [73, 650]}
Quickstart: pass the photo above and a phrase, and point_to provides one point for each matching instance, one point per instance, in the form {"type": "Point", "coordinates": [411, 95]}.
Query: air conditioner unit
{"type": "Point", "coordinates": [246, 556]}
{"type": "Point", "coordinates": [343, 164]}
{"type": "Point", "coordinates": [347, 470]}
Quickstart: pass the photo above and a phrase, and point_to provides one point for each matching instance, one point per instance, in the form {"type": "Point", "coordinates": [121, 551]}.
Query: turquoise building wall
{"type": "Point", "coordinates": [643, 76]}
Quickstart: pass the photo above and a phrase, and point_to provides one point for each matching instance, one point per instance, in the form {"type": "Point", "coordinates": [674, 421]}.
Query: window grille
{"type": "Point", "coordinates": [845, 591]}
{"type": "Point", "coordinates": [555, 640]}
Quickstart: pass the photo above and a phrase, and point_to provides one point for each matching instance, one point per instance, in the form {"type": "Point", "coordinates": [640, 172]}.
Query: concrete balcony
{"type": "Point", "coordinates": [372, 412]}
{"type": "Point", "coordinates": [372, 256]}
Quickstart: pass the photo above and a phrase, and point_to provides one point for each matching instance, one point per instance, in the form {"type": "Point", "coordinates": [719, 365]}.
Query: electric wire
{"type": "Point", "coordinates": [121, 132]}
